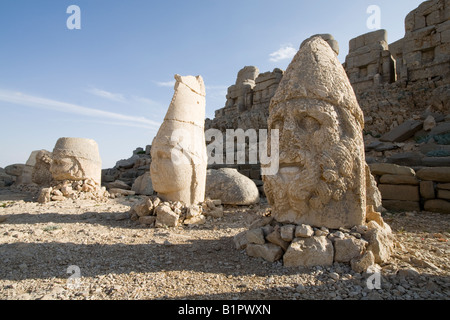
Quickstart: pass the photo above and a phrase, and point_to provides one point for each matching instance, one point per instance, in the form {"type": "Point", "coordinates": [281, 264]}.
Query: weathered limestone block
{"type": "Point", "coordinates": [438, 205]}
{"type": "Point", "coordinates": [399, 192]}
{"type": "Point", "coordinates": [401, 206]}
{"type": "Point", "coordinates": [398, 179]}
{"type": "Point", "coordinates": [269, 251]}
{"type": "Point", "coordinates": [143, 185]}
{"type": "Point", "coordinates": [380, 169]}
{"type": "Point", "coordinates": [348, 249]}
{"type": "Point", "coordinates": [321, 181]}
{"type": "Point", "coordinates": [440, 174]}
{"type": "Point", "coordinates": [403, 132]}
{"type": "Point", "coordinates": [363, 263]}
{"type": "Point", "coordinates": [427, 190]}
{"type": "Point", "coordinates": [178, 168]}
{"type": "Point", "coordinates": [309, 252]}
{"type": "Point", "coordinates": [231, 187]}
{"type": "Point", "coordinates": [373, 195]}
{"type": "Point", "coordinates": [165, 217]}
{"type": "Point", "coordinates": [76, 159]}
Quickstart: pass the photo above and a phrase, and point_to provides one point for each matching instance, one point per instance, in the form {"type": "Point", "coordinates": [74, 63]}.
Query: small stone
{"type": "Point", "coordinates": [338, 235]}
{"type": "Point", "coordinates": [201, 219]}
{"type": "Point", "coordinates": [166, 217]}
{"type": "Point", "coordinates": [300, 288]}
{"type": "Point", "coordinates": [308, 252]}
{"type": "Point", "coordinates": [362, 264]}
{"type": "Point", "coordinates": [269, 251]}
{"type": "Point", "coordinates": [45, 195]}
{"type": "Point", "coordinates": [348, 249]}
{"type": "Point", "coordinates": [143, 208]}
{"type": "Point", "coordinates": [304, 231]}
{"type": "Point", "coordinates": [259, 223]}
{"type": "Point", "coordinates": [360, 229]}
{"type": "Point", "coordinates": [320, 233]}
{"type": "Point", "coordinates": [275, 238]}
{"type": "Point", "coordinates": [193, 211]}
{"type": "Point", "coordinates": [408, 273]}
{"type": "Point", "coordinates": [334, 276]}
{"type": "Point", "coordinates": [240, 240]}
{"type": "Point", "coordinates": [147, 220]}
{"type": "Point", "coordinates": [58, 198]}
{"type": "Point", "coordinates": [256, 236]}
{"type": "Point", "coordinates": [287, 232]}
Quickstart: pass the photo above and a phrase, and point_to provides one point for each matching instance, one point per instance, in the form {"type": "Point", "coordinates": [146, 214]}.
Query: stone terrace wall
{"type": "Point", "coordinates": [397, 82]}
{"type": "Point", "coordinates": [403, 188]}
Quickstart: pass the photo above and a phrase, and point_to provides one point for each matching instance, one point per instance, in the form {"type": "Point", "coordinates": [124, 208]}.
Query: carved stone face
{"type": "Point", "coordinates": [167, 176]}
{"type": "Point", "coordinates": [316, 162]}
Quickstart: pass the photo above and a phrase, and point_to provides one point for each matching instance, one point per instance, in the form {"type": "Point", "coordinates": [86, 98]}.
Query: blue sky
{"type": "Point", "coordinates": [112, 80]}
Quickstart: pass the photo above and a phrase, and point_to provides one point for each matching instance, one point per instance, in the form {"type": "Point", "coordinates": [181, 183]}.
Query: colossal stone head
{"type": "Point", "coordinates": [321, 180]}
{"type": "Point", "coordinates": [76, 159]}
{"type": "Point", "coordinates": [179, 160]}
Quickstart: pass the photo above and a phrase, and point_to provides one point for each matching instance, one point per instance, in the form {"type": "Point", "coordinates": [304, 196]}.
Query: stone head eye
{"type": "Point", "coordinates": [309, 124]}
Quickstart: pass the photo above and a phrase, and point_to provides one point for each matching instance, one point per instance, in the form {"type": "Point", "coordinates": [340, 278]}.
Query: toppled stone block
{"type": "Point", "coordinates": [403, 132]}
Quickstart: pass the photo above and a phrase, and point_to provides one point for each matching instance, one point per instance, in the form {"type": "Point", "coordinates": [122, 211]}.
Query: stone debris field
{"type": "Point", "coordinates": [122, 259]}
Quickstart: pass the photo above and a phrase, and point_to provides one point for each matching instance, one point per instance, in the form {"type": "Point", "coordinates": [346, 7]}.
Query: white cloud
{"type": "Point", "coordinates": [166, 84]}
{"type": "Point", "coordinates": [59, 106]}
{"type": "Point", "coordinates": [107, 95]}
{"type": "Point", "coordinates": [285, 52]}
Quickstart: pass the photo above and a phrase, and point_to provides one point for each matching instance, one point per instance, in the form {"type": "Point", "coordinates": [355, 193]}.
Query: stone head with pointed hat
{"type": "Point", "coordinates": [179, 160]}
{"type": "Point", "coordinates": [321, 181]}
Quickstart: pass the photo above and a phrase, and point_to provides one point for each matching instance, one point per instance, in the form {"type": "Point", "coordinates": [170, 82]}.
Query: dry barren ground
{"type": "Point", "coordinates": [117, 258]}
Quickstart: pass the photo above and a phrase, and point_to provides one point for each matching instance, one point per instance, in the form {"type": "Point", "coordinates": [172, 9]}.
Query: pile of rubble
{"type": "Point", "coordinates": [154, 212]}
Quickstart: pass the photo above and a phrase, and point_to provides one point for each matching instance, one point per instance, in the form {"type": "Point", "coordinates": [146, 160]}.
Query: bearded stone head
{"type": "Point", "coordinates": [321, 180]}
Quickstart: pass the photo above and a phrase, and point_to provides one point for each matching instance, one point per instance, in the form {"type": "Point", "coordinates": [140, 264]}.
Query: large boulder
{"type": "Point", "coordinates": [76, 159]}
{"type": "Point", "coordinates": [231, 187]}
{"type": "Point", "coordinates": [143, 185]}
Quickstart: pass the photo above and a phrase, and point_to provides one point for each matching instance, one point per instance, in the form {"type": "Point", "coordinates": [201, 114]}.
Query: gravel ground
{"type": "Point", "coordinates": [43, 249]}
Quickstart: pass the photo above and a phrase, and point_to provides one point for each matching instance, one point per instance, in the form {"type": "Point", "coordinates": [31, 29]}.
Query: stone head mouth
{"type": "Point", "coordinates": [290, 170]}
